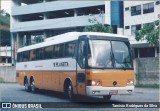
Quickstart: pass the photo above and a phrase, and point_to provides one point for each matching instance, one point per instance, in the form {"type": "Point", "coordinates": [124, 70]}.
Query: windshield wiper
{"type": "Point", "coordinates": [122, 66]}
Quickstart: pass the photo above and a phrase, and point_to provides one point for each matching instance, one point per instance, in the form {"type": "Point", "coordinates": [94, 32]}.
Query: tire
{"type": "Point", "coordinates": [26, 85]}
{"type": "Point", "coordinates": [107, 98]}
{"type": "Point", "coordinates": [32, 86]}
{"type": "Point", "coordinates": [69, 91]}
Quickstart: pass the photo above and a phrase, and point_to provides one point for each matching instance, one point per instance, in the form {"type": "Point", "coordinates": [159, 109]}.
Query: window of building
{"type": "Point", "coordinates": [148, 8]}
{"type": "Point", "coordinates": [134, 28]}
{"type": "Point", "coordinates": [127, 27]}
{"type": "Point", "coordinates": [48, 52]}
{"type": "Point", "coordinates": [70, 49]}
{"type": "Point", "coordinates": [147, 52]}
{"type": "Point", "coordinates": [136, 10]}
{"type": "Point", "coordinates": [127, 8]}
{"type": "Point", "coordinates": [157, 2]}
{"type": "Point", "coordinates": [58, 50]}
{"type": "Point", "coordinates": [60, 14]}
{"type": "Point", "coordinates": [136, 52]}
{"type": "Point", "coordinates": [28, 2]}
{"type": "Point", "coordinates": [31, 17]}
{"type": "Point", "coordinates": [157, 49]}
{"type": "Point", "coordinates": [90, 10]}
{"type": "Point", "coordinates": [50, 0]}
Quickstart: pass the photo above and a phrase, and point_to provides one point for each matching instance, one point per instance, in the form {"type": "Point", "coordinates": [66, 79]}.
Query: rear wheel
{"type": "Point", "coordinates": [107, 98]}
{"type": "Point", "coordinates": [26, 85]}
{"type": "Point", "coordinates": [32, 85]}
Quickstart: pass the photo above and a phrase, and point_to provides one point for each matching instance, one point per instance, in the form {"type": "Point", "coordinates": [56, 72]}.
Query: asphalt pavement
{"type": "Point", "coordinates": [16, 93]}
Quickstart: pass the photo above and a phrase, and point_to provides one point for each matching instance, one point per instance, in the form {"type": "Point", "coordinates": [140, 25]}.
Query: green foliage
{"type": "Point", "coordinates": [97, 27]}
{"type": "Point", "coordinates": [148, 86]}
{"type": "Point", "coordinates": [4, 18]}
{"type": "Point", "coordinates": [149, 32]}
{"type": "Point", "coordinates": [1, 80]}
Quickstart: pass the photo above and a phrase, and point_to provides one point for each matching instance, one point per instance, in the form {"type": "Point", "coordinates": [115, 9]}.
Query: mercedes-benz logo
{"type": "Point", "coordinates": [114, 83]}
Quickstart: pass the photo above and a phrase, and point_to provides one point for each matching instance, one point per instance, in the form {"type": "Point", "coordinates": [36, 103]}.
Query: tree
{"type": "Point", "coordinates": [97, 27]}
{"type": "Point", "coordinates": [4, 30]}
{"type": "Point", "coordinates": [149, 32]}
{"type": "Point", "coordinates": [4, 18]}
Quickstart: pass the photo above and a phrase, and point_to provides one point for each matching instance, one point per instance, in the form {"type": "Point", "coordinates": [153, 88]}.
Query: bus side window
{"type": "Point", "coordinates": [20, 57]}
{"type": "Point", "coordinates": [48, 52]}
{"type": "Point", "coordinates": [69, 49]}
{"type": "Point", "coordinates": [40, 54]}
{"type": "Point", "coordinates": [81, 54]}
{"type": "Point", "coordinates": [25, 56]}
{"type": "Point", "coordinates": [32, 55]}
{"type": "Point", "coordinates": [58, 51]}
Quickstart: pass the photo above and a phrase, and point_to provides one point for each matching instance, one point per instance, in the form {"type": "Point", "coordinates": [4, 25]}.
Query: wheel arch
{"type": "Point", "coordinates": [66, 82]}
{"type": "Point", "coordinates": [31, 78]}
{"type": "Point", "coordinates": [25, 77]}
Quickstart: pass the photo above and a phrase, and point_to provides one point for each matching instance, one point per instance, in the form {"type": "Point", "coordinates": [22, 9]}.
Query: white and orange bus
{"type": "Point", "coordinates": [78, 63]}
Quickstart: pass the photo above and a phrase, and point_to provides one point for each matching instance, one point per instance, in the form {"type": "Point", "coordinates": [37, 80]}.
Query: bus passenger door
{"type": "Point", "coordinates": [81, 76]}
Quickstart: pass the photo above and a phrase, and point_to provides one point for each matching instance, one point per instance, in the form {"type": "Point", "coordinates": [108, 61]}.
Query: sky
{"type": "Point", "coordinates": [6, 5]}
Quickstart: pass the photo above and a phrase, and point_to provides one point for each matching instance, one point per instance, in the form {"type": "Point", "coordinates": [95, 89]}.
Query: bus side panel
{"type": "Point", "coordinates": [37, 76]}
{"type": "Point", "coordinates": [81, 82]}
{"type": "Point", "coordinates": [55, 80]}
{"type": "Point", "coordinates": [20, 77]}
{"type": "Point", "coordinates": [47, 80]}
{"type": "Point", "coordinates": [70, 75]}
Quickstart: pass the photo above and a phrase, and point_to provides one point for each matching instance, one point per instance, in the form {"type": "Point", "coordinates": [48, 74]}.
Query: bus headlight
{"type": "Point", "coordinates": [96, 83]}
{"type": "Point", "coordinates": [130, 83]}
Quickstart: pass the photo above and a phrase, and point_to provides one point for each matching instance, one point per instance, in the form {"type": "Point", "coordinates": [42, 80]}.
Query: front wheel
{"type": "Point", "coordinates": [107, 98]}
{"type": "Point", "coordinates": [70, 91]}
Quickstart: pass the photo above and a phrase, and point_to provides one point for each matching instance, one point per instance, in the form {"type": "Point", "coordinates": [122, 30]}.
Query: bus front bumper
{"type": "Point", "coordinates": [100, 91]}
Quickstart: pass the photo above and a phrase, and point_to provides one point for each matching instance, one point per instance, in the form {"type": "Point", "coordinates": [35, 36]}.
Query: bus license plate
{"type": "Point", "coordinates": [114, 92]}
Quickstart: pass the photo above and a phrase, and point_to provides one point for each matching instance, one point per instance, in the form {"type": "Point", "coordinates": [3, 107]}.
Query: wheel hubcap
{"type": "Point", "coordinates": [70, 91]}
{"type": "Point", "coordinates": [26, 85]}
{"type": "Point", "coordinates": [32, 86]}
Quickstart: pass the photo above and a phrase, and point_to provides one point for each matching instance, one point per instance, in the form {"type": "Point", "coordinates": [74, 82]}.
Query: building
{"type": "Point", "coordinates": [5, 46]}
{"type": "Point", "coordinates": [136, 14]}
{"type": "Point", "coordinates": [146, 62]}
{"type": "Point", "coordinates": [35, 20]}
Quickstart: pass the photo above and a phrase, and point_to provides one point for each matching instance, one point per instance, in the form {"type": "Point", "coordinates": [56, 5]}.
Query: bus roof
{"type": "Point", "coordinates": [66, 37]}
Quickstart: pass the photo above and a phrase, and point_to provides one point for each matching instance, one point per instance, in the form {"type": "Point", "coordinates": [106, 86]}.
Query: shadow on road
{"type": "Point", "coordinates": [78, 99]}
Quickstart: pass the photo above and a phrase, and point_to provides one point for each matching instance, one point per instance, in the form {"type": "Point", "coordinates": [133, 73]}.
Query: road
{"type": "Point", "coordinates": [16, 93]}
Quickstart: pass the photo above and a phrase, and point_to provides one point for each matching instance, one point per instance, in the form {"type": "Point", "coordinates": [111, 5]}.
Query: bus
{"type": "Point", "coordinates": [78, 63]}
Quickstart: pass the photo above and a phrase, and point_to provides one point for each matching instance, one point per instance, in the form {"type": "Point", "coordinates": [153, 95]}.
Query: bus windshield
{"type": "Point", "coordinates": [109, 54]}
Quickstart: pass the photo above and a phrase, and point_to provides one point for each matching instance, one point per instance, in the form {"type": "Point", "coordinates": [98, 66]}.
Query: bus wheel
{"type": "Point", "coordinates": [70, 91]}
{"type": "Point", "coordinates": [26, 85]}
{"type": "Point", "coordinates": [33, 88]}
{"type": "Point", "coordinates": [107, 97]}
